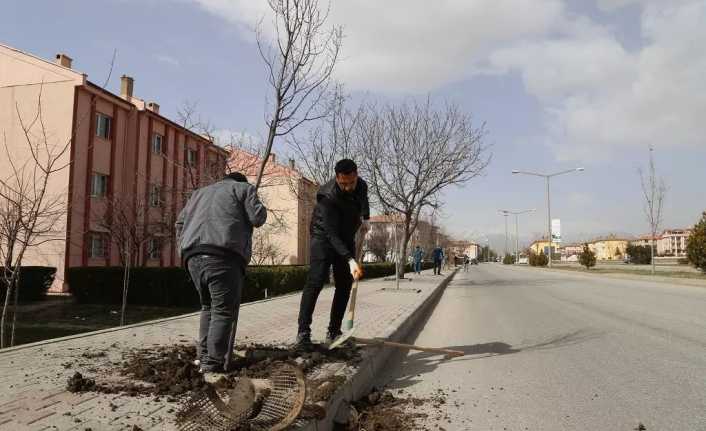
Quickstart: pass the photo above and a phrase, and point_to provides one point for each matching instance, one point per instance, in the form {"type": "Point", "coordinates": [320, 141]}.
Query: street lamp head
{"type": "Point", "coordinates": [515, 171]}
{"type": "Point", "coordinates": [579, 169]}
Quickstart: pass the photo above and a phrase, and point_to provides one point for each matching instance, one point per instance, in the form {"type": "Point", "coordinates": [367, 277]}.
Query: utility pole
{"type": "Point", "coordinates": [517, 241]}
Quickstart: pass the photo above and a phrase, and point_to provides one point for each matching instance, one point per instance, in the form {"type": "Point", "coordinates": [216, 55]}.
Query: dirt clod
{"type": "Point", "coordinates": [78, 383]}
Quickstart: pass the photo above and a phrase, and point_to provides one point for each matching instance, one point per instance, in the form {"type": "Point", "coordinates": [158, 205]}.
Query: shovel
{"type": "Point", "coordinates": [348, 324]}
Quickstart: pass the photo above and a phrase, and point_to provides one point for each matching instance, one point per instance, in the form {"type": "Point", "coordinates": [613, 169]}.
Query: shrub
{"type": "Point", "coordinates": [587, 258]}
{"type": "Point", "coordinates": [34, 283]}
{"type": "Point", "coordinates": [172, 287]}
{"type": "Point", "coordinates": [538, 259]}
{"type": "Point", "coordinates": [696, 245]}
{"type": "Point", "coordinates": [639, 254]}
{"type": "Point", "coordinates": [508, 259]}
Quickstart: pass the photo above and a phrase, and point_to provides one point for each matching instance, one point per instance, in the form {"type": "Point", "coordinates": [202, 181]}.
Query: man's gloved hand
{"type": "Point", "coordinates": [356, 270]}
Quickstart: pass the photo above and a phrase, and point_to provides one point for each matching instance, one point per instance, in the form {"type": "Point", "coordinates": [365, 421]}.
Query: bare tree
{"type": "Point", "coordinates": [331, 140]}
{"type": "Point", "coordinates": [136, 232]}
{"type": "Point", "coordinates": [30, 213]}
{"type": "Point", "coordinates": [265, 250]}
{"type": "Point", "coordinates": [410, 153]}
{"type": "Point", "coordinates": [299, 63]}
{"type": "Point", "coordinates": [653, 191]}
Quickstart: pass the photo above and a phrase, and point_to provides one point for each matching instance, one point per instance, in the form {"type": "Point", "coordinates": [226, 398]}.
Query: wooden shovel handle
{"type": "Point", "coordinates": [381, 342]}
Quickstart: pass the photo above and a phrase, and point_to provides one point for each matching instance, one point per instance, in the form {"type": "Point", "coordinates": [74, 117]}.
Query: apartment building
{"type": "Point", "coordinates": [290, 197]}
{"type": "Point", "coordinates": [672, 242]}
{"type": "Point", "coordinates": [609, 248]}
{"type": "Point", "coordinates": [123, 157]}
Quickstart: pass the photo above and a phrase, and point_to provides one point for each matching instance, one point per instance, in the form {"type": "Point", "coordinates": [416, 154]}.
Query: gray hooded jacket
{"type": "Point", "coordinates": [218, 220]}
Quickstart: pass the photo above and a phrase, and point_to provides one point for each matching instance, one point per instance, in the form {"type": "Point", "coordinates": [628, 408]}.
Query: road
{"type": "Point", "coordinates": [554, 351]}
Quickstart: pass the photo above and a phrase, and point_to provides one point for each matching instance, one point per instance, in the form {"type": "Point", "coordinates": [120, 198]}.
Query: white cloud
{"type": "Point", "coordinates": [412, 45]}
{"type": "Point", "coordinates": [598, 97]}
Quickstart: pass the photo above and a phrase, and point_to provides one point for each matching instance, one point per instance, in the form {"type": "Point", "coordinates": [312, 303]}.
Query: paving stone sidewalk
{"type": "Point", "coordinates": [33, 377]}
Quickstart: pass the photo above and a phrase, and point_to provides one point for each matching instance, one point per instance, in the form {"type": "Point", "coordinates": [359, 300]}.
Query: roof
{"type": "Point", "coordinates": [249, 164]}
{"type": "Point", "coordinates": [386, 218]}
{"type": "Point", "coordinates": [116, 98]}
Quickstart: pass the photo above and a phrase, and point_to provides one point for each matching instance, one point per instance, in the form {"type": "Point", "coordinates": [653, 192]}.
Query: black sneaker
{"type": "Point", "coordinates": [304, 341]}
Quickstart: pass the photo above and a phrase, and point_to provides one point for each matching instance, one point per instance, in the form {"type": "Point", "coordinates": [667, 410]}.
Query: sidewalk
{"type": "Point", "coordinates": [33, 377]}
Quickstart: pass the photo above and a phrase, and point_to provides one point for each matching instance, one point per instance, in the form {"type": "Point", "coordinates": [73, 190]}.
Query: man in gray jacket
{"type": "Point", "coordinates": [214, 233]}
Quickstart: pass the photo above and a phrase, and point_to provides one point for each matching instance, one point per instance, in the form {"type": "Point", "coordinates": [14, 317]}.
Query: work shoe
{"type": "Point", "coordinates": [304, 341]}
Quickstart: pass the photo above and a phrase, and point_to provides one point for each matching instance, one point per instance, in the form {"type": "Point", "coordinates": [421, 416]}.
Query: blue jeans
{"type": "Point", "coordinates": [417, 266]}
{"type": "Point", "coordinates": [219, 283]}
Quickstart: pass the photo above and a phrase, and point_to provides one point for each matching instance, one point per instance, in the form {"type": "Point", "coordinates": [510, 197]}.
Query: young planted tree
{"type": "Point", "coordinates": [410, 153]}
{"type": "Point", "coordinates": [138, 231]}
{"type": "Point", "coordinates": [587, 257]}
{"type": "Point", "coordinates": [30, 213]}
{"type": "Point", "coordinates": [696, 245]}
{"type": "Point", "coordinates": [299, 63]}
{"type": "Point", "coordinates": [653, 191]}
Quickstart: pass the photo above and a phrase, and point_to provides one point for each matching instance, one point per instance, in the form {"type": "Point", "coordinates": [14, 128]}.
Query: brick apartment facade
{"type": "Point", "coordinates": [122, 153]}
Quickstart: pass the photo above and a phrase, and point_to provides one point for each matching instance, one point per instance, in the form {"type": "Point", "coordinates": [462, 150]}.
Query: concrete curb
{"type": "Point", "coordinates": [369, 369]}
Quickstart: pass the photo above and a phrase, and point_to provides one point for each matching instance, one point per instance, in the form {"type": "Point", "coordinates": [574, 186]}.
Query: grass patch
{"type": "Point", "coordinates": [672, 274]}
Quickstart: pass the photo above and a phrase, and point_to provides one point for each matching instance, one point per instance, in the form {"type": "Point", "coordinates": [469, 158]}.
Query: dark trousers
{"type": "Point", "coordinates": [318, 276]}
{"type": "Point", "coordinates": [219, 282]}
{"type": "Point", "coordinates": [437, 266]}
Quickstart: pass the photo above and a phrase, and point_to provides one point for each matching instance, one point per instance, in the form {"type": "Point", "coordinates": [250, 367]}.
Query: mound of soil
{"type": "Point", "coordinates": [170, 371]}
{"type": "Point", "coordinates": [382, 411]}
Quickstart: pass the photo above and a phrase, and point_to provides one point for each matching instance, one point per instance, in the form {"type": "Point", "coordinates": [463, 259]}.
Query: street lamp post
{"type": "Point", "coordinates": [517, 241]}
{"type": "Point", "coordinates": [547, 177]}
{"type": "Point", "coordinates": [505, 214]}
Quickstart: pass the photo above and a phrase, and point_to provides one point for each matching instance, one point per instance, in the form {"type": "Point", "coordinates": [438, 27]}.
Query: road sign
{"type": "Point", "coordinates": [556, 230]}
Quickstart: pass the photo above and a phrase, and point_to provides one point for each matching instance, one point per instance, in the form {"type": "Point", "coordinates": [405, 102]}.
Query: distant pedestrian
{"type": "Point", "coordinates": [418, 256]}
{"type": "Point", "coordinates": [438, 256]}
{"type": "Point", "coordinates": [466, 261]}
{"type": "Point", "coordinates": [214, 234]}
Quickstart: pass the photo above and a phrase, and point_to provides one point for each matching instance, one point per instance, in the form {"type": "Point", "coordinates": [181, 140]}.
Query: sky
{"type": "Point", "coordinates": [559, 84]}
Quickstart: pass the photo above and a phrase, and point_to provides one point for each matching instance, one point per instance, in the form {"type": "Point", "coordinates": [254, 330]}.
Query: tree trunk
{"type": "Point", "coordinates": [8, 292]}
{"type": "Point", "coordinates": [652, 253]}
{"type": "Point", "coordinates": [16, 305]}
{"type": "Point", "coordinates": [126, 284]}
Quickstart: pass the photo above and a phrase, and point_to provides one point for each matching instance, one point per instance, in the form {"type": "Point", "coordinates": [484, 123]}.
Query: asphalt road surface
{"type": "Point", "coordinates": [554, 351]}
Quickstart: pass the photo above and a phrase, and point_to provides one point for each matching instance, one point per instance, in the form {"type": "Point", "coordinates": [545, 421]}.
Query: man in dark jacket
{"type": "Point", "coordinates": [341, 208]}
{"type": "Point", "coordinates": [214, 233]}
{"type": "Point", "coordinates": [438, 256]}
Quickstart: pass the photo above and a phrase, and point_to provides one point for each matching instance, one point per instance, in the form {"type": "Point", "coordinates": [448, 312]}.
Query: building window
{"type": "Point", "coordinates": [97, 246]}
{"type": "Point", "coordinates": [154, 248]}
{"type": "Point", "coordinates": [99, 185]}
{"type": "Point", "coordinates": [103, 125]}
{"type": "Point", "coordinates": [157, 143]}
{"type": "Point", "coordinates": [191, 157]}
{"type": "Point", "coordinates": [155, 195]}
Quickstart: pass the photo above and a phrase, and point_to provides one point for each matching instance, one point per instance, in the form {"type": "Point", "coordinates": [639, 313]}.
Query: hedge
{"type": "Point", "coordinates": [34, 282]}
{"type": "Point", "coordinates": [172, 287]}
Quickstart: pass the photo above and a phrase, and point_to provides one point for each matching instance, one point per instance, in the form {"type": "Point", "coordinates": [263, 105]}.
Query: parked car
{"type": "Point", "coordinates": [474, 261]}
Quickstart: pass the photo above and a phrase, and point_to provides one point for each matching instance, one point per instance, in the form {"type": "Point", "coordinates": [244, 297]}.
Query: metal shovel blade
{"type": "Point", "coordinates": [342, 339]}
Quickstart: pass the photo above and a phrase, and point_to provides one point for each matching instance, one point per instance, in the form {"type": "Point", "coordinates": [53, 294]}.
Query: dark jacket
{"type": "Point", "coordinates": [218, 220]}
{"type": "Point", "coordinates": [337, 216]}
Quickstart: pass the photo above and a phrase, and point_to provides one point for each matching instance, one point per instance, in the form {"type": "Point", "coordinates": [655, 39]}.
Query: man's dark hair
{"type": "Point", "coordinates": [237, 176]}
{"type": "Point", "coordinates": [345, 167]}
